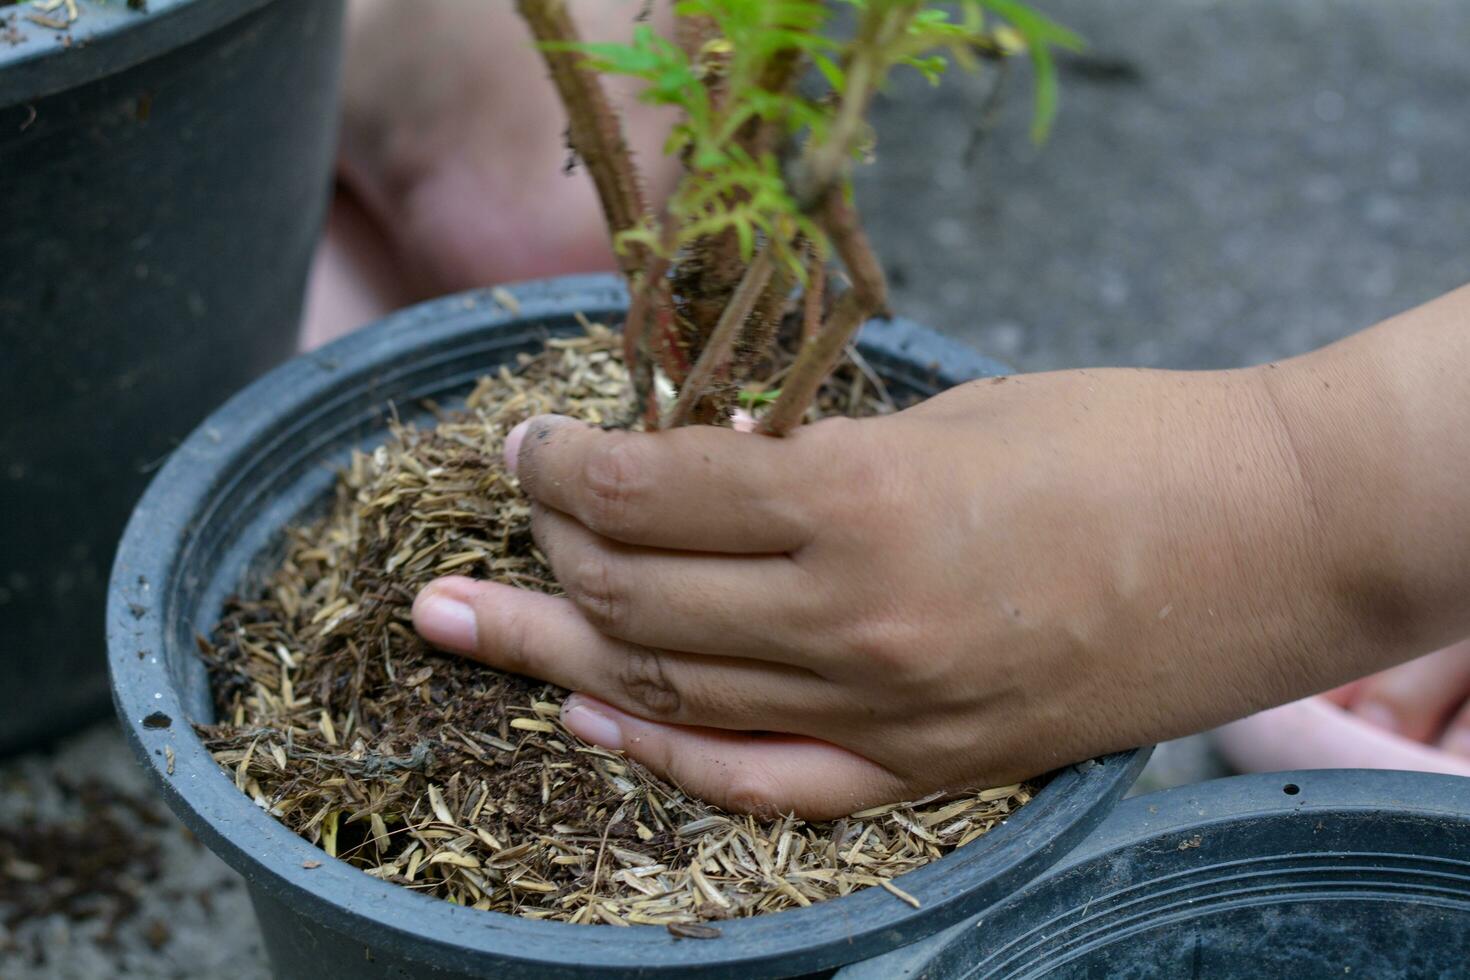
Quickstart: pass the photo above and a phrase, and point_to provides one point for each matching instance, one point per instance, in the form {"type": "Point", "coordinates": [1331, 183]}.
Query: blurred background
{"type": "Point", "coordinates": [1226, 183]}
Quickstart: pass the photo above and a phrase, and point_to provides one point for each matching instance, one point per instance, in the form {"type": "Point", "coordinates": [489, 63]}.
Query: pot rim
{"type": "Point", "coordinates": [1083, 899]}
{"type": "Point", "coordinates": [106, 39]}
{"type": "Point", "coordinates": [146, 598]}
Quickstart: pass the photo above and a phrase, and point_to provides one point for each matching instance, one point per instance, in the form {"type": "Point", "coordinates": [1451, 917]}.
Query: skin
{"type": "Point", "coordinates": [1427, 700]}
{"type": "Point", "coordinates": [444, 184]}
{"type": "Point", "coordinates": [1010, 576]}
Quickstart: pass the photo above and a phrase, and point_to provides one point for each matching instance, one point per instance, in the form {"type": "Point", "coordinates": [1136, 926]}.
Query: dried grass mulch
{"type": "Point", "coordinates": [445, 776]}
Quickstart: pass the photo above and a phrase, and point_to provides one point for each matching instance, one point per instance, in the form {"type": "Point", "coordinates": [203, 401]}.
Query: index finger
{"type": "Point", "coordinates": [698, 488]}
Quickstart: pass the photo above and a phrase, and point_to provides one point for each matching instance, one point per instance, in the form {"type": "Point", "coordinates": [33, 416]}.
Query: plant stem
{"type": "Point", "coordinates": [712, 266]}
{"type": "Point", "coordinates": [764, 321]}
{"type": "Point", "coordinates": [649, 292]}
{"type": "Point", "coordinates": [652, 305]}
{"type": "Point", "coordinates": [813, 364]}
{"type": "Point", "coordinates": [839, 219]}
{"type": "Point", "coordinates": [815, 294]}
{"type": "Point", "coordinates": [826, 164]}
{"type": "Point", "coordinates": [867, 297]}
{"type": "Point", "coordinates": [594, 131]}
{"type": "Point", "coordinates": [760, 136]}
{"type": "Point", "coordinates": [718, 349]}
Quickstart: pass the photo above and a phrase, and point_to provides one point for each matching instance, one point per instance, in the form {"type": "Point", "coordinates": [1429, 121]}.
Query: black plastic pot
{"type": "Point", "coordinates": [262, 461]}
{"type": "Point", "coordinates": [1330, 873]}
{"type": "Point", "coordinates": [163, 178]}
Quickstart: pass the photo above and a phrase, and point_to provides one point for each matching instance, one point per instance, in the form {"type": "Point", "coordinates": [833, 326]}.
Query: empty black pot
{"type": "Point", "coordinates": [1330, 873]}
{"type": "Point", "coordinates": [163, 177]}
{"type": "Point", "coordinates": [258, 464]}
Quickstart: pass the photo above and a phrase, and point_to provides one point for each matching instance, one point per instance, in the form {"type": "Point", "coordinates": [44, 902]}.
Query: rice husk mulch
{"type": "Point", "coordinates": [445, 776]}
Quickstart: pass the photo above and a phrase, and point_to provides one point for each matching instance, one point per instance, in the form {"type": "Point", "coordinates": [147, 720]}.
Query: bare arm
{"type": "Point", "coordinates": [1382, 423]}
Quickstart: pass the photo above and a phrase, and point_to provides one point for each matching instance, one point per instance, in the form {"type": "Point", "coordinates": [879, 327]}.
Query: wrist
{"type": "Point", "coordinates": [1340, 420]}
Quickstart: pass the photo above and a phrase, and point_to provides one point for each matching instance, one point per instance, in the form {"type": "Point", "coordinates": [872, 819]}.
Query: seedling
{"type": "Point", "coordinates": [772, 102]}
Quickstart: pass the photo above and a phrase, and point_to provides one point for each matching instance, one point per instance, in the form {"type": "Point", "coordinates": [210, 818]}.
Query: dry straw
{"type": "Point", "coordinates": [445, 776]}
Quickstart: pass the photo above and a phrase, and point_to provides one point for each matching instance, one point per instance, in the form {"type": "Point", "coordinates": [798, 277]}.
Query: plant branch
{"type": "Point", "coordinates": [839, 219]}
{"type": "Point", "coordinates": [760, 136]}
{"type": "Point", "coordinates": [761, 326]}
{"type": "Point", "coordinates": [825, 165]}
{"type": "Point", "coordinates": [712, 266]}
{"type": "Point", "coordinates": [814, 296]}
{"type": "Point", "coordinates": [594, 130]}
{"type": "Point", "coordinates": [867, 297]}
{"type": "Point", "coordinates": [649, 294]}
{"type": "Point", "coordinates": [813, 364]}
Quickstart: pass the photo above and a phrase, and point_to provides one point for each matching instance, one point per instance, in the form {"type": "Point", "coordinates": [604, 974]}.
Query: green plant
{"type": "Point", "coordinates": [773, 108]}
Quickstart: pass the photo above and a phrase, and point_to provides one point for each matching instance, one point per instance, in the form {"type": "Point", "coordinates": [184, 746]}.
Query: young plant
{"type": "Point", "coordinates": [772, 104]}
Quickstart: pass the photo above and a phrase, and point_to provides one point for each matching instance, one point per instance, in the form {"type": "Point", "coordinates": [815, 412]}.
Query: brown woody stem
{"type": "Point", "coordinates": [814, 296]}
{"type": "Point", "coordinates": [718, 350]}
{"type": "Point", "coordinates": [594, 130]}
{"type": "Point", "coordinates": [764, 321]}
{"type": "Point", "coordinates": [713, 266]}
{"type": "Point", "coordinates": [650, 305]}
{"type": "Point", "coordinates": [867, 297]}
{"type": "Point", "coordinates": [650, 291]}
{"type": "Point", "coordinates": [839, 219]}
{"type": "Point", "coordinates": [813, 364]}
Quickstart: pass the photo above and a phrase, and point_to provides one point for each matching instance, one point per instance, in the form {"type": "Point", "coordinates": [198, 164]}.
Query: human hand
{"type": "Point", "coordinates": [1014, 575]}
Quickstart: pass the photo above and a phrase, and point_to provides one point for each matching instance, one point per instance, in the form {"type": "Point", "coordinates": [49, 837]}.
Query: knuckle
{"type": "Point", "coordinates": [837, 441]}
{"type": "Point", "coordinates": [611, 477]}
{"type": "Point", "coordinates": [832, 431]}
{"type": "Point", "coordinates": [860, 474]}
{"type": "Point", "coordinates": [510, 640]}
{"type": "Point", "coordinates": [756, 791]}
{"type": "Point", "coordinates": [890, 644]}
{"type": "Point", "coordinates": [645, 682]}
{"type": "Point", "coordinates": [592, 585]}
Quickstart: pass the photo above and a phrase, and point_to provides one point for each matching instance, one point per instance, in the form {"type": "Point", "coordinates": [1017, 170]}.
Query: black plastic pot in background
{"type": "Point", "coordinates": [1329, 873]}
{"type": "Point", "coordinates": [265, 459]}
{"type": "Point", "coordinates": [163, 178]}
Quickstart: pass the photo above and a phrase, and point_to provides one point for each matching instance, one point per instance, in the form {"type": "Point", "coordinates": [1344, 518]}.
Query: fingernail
{"type": "Point", "coordinates": [591, 725]}
{"type": "Point", "coordinates": [446, 622]}
{"type": "Point", "coordinates": [1457, 742]}
{"type": "Point", "coordinates": [517, 436]}
{"type": "Point", "coordinates": [1377, 715]}
{"type": "Point", "coordinates": [513, 445]}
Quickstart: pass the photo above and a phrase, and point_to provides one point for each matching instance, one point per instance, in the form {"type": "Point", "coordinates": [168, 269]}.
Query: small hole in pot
{"type": "Point", "coordinates": [157, 720]}
{"type": "Point", "coordinates": [1291, 789]}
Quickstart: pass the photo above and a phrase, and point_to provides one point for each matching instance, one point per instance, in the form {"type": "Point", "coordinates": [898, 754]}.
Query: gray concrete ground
{"type": "Point", "coordinates": [1229, 182]}
{"type": "Point", "coordinates": [193, 918]}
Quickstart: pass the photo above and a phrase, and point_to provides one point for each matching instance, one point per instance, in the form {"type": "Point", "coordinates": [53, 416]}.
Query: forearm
{"type": "Point", "coordinates": [1380, 428]}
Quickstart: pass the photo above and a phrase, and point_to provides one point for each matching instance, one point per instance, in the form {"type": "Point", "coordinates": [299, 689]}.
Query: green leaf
{"type": "Point", "coordinates": [754, 399]}
{"type": "Point", "coordinates": [830, 71]}
{"type": "Point", "coordinates": [932, 67]}
{"type": "Point", "coordinates": [1040, 33]}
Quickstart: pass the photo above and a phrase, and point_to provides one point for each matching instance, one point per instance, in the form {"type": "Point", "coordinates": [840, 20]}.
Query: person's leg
{"type": "Point", "coordinates": [353, 280]}
{"type": "Point", "coordinates": [1427, 700]}
{"type": "Point", "coordinates": [453, 151]}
